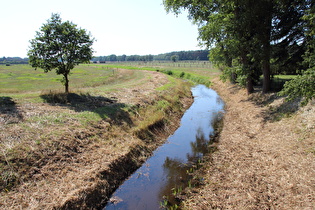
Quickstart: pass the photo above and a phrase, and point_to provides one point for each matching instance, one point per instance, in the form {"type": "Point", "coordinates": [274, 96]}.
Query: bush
{"type": "Point", "coordinates": [302, 86]}
{"type": "Point", "coordinates": [169, 72]}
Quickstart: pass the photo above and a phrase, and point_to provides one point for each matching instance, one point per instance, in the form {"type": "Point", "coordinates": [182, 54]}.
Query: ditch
{"type": "Point", "coordinates": [161, 179]}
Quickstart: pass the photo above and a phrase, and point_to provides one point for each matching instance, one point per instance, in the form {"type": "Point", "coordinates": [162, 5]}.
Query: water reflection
{"type": "Point", "coordinates": [167, 168]}
{"type": "Point", "coordinates": [200, 146]}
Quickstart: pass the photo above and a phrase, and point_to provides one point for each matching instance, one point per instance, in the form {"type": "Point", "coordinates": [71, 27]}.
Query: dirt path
{"type": "Point", "coordinates": [260, 164]}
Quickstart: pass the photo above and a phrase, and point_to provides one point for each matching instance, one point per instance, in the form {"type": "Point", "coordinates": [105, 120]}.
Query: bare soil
{"type": "Point", "coordinates": [265, 155]}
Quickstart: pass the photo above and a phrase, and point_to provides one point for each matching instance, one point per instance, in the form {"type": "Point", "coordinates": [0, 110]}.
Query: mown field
{"type": "Point", "coordinates": [23, 79]}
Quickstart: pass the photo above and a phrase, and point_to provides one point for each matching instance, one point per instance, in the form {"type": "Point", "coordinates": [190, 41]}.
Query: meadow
{"type": "Point", "coordinates": [16, 79]}
{"type": "Point", "coordinates": [24, 79]}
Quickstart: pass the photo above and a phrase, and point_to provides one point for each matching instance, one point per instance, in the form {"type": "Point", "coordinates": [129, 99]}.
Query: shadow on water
{"type": "Point", "coordinates": [9, 111]}
{"type": "Point", "coordinates": [104, 107]}
{"type": "Point", "coordinates": [168, 171]}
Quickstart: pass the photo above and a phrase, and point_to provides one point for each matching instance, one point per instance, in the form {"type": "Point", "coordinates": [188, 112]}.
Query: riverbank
{"type": "Point", "coordinates": [264, 158]}
{"type": "Point", "coordinates": [73, 155]}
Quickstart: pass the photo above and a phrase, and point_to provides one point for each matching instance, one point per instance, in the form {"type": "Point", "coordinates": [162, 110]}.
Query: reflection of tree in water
{"type": "Point", "coordinates": [176, 169]}
{"type": "Point", "coordinates": [199, 147]}
{"type": "Point", "coordinates": [177, 177]}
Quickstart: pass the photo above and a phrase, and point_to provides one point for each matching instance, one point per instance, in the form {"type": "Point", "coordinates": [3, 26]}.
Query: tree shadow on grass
{"type": "Point", "coordinates": [104, 107]}
{"type": "Point", "coordinates": [284, 110]}
{"type": "Point", "coordinates": [278, 107]}
{"type": "Point", "coordinates": [8, 111]}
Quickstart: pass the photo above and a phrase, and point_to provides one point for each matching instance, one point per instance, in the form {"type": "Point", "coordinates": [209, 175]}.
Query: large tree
{"type": "Point", "coordinates": [235, 29]}
{"type": "Point", "coordinates": [304, 85]}
{"type": "Point", "coordinates": [61, 46]}
{"type": "Point", "coordinates": [243, 32]}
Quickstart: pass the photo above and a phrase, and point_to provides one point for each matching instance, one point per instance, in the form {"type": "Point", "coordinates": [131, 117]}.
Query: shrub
{"type": "Point", "coordinates": [302, 86]}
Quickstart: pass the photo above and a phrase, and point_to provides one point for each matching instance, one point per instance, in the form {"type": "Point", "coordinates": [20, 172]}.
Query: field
{"type": "Point", "coordinates": [23, 79]}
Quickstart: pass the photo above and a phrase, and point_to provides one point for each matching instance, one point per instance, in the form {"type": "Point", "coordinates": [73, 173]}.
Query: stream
{"type": "Point", "coordinates": [166, 171]}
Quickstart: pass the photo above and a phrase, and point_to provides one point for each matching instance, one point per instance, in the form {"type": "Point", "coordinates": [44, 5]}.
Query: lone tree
{"type": "Point", "coordinates": [61, 46]}
{"type": "Point", "coordinates": [174, 58]}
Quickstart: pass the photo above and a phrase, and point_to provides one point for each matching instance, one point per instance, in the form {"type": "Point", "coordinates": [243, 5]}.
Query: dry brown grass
{"type": "Point", "coordinates": [259, 164]}
{"type": "Point", "coordinates": [53, 158]}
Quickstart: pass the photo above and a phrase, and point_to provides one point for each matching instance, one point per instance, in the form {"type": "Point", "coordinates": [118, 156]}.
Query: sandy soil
{"type": "Point", "coordinates": [261, 163]}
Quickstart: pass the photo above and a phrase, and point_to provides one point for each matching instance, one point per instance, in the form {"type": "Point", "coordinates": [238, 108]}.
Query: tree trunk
{"type": "Point", "coordinates": [229, 61]}
{"type": "Point", "coordinates": [66, 83]}
{"type": "Point", "coordinates": [249, 85]}
{"type": "Point", "coordinates": [233, 77]}
{"type": "Point", "coordinates": [265, 39]}
{"type": "Point", "coordinates": [266, 62]}
{"type": "Point", "coordinates": [266, 73]}
{"type": "Point", "coordinates": [247, 71]}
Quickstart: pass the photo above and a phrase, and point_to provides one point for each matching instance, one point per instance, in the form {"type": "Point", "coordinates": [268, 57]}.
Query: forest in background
{"type": "Point", "coordinates": [13, 60]}
{"type": "Point", "coordinates": [201, 55]}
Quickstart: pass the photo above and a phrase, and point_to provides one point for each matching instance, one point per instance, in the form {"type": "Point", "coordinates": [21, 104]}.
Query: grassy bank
{"type": "Point", "coordinates": [58, 150]}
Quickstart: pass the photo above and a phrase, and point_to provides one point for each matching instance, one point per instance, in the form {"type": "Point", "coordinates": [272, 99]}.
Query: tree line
{"type": "Point", "coordinates": [13, 60]}
{"type": "Point", "coordinates": [171, 56]}
{"type": "Point", "coordinates": [121, 58]}
{"type": "Point", "coordinates": [253, 38]}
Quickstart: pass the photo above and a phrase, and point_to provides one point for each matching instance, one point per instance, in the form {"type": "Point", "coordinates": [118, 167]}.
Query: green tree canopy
{"type": "Point", "coordinates": [246, 34]}
{"type": "Point", "coordinates": [60, 46]}
{"type": "Point", "coordinates": [304, 85]}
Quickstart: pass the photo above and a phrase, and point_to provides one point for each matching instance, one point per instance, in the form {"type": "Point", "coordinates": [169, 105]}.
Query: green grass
{"type": "Point", "coordinates": [23, 83]}
{"type": "Point", "coordinates": [127, 66]}
{"type": "Point", "coordinates": [278, 81]}
{"type": "Point", "coordinates": [23, 78]}
{"type": "Point", "coordinates": [199, 72]}
{"type": "Point", "coordinates": [157, 114]}
{"type": "Point", "coordinates": [203, 68]}
{"type": "Point", "coordinates": [286, 77]}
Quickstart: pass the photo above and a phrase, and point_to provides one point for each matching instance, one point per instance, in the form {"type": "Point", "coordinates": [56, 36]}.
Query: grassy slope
{"type": "Point", "coordinates": [67, 148]}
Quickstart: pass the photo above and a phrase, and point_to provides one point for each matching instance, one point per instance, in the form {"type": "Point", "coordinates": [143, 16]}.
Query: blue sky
{"type": "Point", "coordinates": [119, 26]}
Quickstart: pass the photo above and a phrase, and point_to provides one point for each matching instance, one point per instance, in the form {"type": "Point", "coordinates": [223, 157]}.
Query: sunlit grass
{"type": "Point", "coordinates": [158, 113]}
{"type": "Point", "coordinates": [23, 78]}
